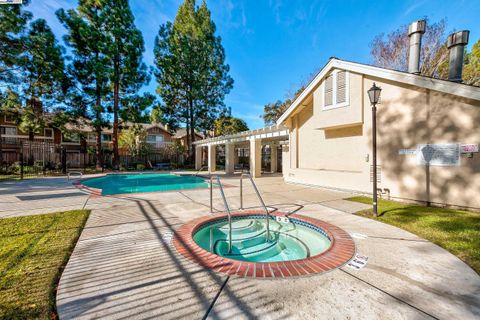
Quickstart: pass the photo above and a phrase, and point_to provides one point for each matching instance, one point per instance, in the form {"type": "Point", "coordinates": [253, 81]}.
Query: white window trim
{"type": "Point", "coordinates": [334, 104]}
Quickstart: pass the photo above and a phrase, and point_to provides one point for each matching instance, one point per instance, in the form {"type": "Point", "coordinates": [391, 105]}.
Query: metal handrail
{"type": "Point", "coordinates": [259, 198]}
{"type": "Point", "coordinates": [228, 212]}
{"type": "Point", "coordinates": [211, 185]}
{"type": "Point", "coordinates": [198, 171]}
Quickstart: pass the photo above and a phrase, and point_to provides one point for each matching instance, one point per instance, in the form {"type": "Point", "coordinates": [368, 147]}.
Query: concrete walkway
{"type": "Point", "coordinates": [125, 267]}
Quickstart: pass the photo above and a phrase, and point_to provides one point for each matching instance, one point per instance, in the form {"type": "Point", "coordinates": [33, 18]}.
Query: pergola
{"type": "Point", "coordinates": [255, 139]}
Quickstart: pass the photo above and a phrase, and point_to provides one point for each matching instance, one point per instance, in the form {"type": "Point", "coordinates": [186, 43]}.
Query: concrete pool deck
{"type": "Point", "coordinates": [124, 265]}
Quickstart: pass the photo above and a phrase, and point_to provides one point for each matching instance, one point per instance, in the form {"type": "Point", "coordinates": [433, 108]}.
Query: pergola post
{"type": "Point", "coordinates": [198, 157]}
{"type": "Point", "coordinates": [273, 157]}
{"type": "Point", "coordinates": [212, 158]}
{"type": "Point", "coordinates": [229, 158]}
{"type": "Point", "coordinates": [256, 157]}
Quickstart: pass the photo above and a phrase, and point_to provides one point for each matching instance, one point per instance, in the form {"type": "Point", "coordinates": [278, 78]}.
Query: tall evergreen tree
{"type": "Point", "coordinates": [13, 23]}
{"type": "Point", "coordinates": [43, 77]}
{"type": "Point", "coordinates": [124, 52]}
{"type": "Point", "coordinates": [90, 67]}
{"type": "Point", "coordinates": [191, 71]}
{"type": "Point", "coordinates": [135, 108]}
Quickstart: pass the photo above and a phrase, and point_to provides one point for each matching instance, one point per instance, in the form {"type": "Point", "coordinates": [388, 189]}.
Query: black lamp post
{"type": "Point", "coordinates": [374, 96]}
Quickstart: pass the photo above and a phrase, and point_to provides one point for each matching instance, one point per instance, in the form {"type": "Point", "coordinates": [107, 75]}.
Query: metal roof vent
{"type": "Point", "coordinates": [415, 31]}
{"type": "Point", "coordinates": [456, 44]}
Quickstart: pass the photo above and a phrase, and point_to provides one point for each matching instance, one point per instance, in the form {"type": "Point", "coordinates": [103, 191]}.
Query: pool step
{"type": "Point", "coordinates": [274, 250]}
{"type": "Point", "coordinates": [245, 228]}
{"type": "Point", "coordinates": [222, 248]}
{"type": "Point", "coordinates": [244, 233]}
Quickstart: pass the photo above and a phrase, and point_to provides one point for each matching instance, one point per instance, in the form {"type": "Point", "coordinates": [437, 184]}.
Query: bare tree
{"type": "Point", "coordinates": [391, 50]}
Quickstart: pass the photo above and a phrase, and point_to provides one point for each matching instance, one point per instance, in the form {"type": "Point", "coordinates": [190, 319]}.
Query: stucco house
{"type": "Point", "coordinates": [427, 132]}
{"type": "Point", "coordinates": [330, 138]}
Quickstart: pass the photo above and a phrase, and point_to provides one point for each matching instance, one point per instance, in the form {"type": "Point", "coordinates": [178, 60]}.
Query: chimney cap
{"type": "Point", "coordinates": [458, 38]}
{"type": "Point", "coordinates": [417, 26]}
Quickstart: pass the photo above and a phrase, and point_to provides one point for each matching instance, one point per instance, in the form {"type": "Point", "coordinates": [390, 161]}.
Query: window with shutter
{"type": "Point", "coordinates": [341, 87]}
{"type": "Point", "coordinates": [329, 91]}
{"type": "Point", "coordinates": [336, 90]}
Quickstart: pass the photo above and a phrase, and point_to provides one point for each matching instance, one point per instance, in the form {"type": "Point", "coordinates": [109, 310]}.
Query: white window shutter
{"type": "Point", "coordinates": [329, 90]}
{"type": "Point", "coordinates": [341, 87]}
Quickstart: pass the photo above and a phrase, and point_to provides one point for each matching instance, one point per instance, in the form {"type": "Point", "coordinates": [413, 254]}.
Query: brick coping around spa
{"type": "Point", "coordinates": [342, 249]}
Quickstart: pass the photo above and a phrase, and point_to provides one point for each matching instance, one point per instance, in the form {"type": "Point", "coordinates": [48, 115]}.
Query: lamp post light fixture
{"type": "Point", "coordinates": [374, 96]}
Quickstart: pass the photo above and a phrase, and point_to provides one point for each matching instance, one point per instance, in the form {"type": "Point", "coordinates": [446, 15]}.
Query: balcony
{"type": "Point", "coordinates": [11, 139]}
{"type": "Point", "coordinates": [159, 144]}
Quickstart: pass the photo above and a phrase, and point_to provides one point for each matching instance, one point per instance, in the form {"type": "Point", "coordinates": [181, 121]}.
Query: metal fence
{"type": "Point", "coordinates": [33, 159]}
{"type": "Point", "coordinates": [30, 159]}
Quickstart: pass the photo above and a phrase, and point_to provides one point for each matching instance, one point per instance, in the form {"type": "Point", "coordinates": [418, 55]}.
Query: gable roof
{"type": "Point", "coordinates": [182, 132]}
{"type": "Point", "coordinates": [458, 89]}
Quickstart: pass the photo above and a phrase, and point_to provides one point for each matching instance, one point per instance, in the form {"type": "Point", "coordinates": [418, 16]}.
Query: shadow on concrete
{"type": "Point", "coordinates": [156, 292]}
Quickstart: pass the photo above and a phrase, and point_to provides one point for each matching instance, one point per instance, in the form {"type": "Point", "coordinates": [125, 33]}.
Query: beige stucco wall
{"type": "Point", "coordinates": [333, 147]}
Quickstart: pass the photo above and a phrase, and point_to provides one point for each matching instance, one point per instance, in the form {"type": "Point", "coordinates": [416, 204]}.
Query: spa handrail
{"type": "Point", "coordinates": [259, 198]}
{"type": "Point", "coordinates": [228, 212]}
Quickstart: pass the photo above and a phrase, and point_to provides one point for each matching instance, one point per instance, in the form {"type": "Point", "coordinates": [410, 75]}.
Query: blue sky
{"type": "Point", "coordinates": [273, 45]}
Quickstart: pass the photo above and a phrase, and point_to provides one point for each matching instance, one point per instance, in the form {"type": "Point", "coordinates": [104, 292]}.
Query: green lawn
{"type": "Point", "coordinates": [33, 252]}
{"type": "Point", "coordinates": [454, 230]}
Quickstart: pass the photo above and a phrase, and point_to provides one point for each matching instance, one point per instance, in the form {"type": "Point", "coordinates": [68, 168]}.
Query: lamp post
{"type": "Point", "coordinates": [374, 96]}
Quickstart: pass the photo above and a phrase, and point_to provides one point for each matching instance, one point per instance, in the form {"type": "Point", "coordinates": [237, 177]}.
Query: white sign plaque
{"type": "Point", "coordinates": [467, 148]}
{"type": "Point", "coordinates": [442, 154]}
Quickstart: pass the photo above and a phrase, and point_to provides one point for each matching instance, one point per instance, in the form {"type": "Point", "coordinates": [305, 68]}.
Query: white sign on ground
{"type": "Point", "coordinates": [358, 262]}
{"type": "Point", "coordinates": [442, 154]}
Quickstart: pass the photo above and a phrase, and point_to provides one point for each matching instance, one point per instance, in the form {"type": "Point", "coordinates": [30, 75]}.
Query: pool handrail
{"type": "Point", "coordinates": [211, 185]}
{"type": "Point", "coordinates": [201, 168]}
{"type": "Point", "coordinates": [259, 198]}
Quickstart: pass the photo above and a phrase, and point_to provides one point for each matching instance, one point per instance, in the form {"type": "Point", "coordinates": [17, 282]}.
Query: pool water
{"type": "Point", "coordinates": [291, 240]}
{"type": "Point", "coordinates": [148, 182]}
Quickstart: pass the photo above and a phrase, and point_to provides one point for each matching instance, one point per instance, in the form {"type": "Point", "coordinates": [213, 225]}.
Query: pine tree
{"type": "Point", "coordinates": [13, 23]}
{"type": "Point", "coordinates": [125, 52]}
{"type": "Point", "coordinates": [44, 83]}
{"type": "Point", "coordinates": [134, 108]}
{"type": "Point", "coordinates": [90, 67]}
{"type": "Point", "coordinates": [191, 72]}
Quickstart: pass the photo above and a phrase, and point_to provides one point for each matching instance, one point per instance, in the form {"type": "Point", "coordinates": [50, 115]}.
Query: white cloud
{"type": "Point", "coordinates": [413, 7]}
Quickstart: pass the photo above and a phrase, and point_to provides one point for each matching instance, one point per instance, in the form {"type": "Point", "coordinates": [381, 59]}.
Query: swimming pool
{"type": "Point", "coordinates": [148, 182]}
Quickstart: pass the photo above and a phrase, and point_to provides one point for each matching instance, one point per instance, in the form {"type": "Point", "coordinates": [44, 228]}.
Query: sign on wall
{"type": "Point", "coordinates": [467, 148]}
{"type": "Point", "coordinates": [442, 154]}
{"type": "Point", "coordinates": [407, 151]}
